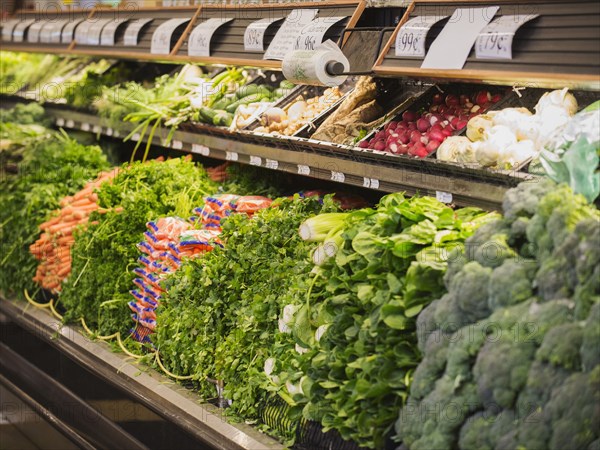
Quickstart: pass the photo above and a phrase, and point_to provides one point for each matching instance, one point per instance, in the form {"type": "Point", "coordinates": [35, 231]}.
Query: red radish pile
{"type": "Point", "coordinates": [420, 134]}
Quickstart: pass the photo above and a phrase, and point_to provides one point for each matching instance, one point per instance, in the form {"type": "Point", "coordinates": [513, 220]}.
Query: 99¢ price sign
{"type": "Point", "coordinates": [410, 40]}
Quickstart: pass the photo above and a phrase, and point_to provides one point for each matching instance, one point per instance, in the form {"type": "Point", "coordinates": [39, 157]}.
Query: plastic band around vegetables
{"type": "Point", "coordinates": [127, 352]}
{"type": "Point", "coordinates": [34, 303]}
{"type": "Point", "coordinates": [54, 312]}
{"type": "Point", "coordinates": [172, 375]}
{"type": "Point", "coordinates": [94, 335]}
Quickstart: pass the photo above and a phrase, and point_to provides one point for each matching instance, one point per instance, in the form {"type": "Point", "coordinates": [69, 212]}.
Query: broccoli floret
{"type": "Point", "coordinates": [573, 411]}
{"type": "Point", "coordinates": [431, 367]}
{"type": "Point", "coordinates": [426, 325]}
{"type": "Point", "coordinates": [542, 377]}
{"type": "Point", "coordinates": [561, 346]}
{"type": "Point", "coordinates": [490, 250]}
{"type": "Point", "coordinates": [590, 346]}
{"type": "Point", "coordinates": [475, 433]}
{"type": "Point", "coordinates": [501, 370]}
{"type": "Point", "coordinates": [511, 283]}
{"type": "Point", "coordinates": [466, 301]}
{"type": "Point", "coordinates": [463, 349]}
{"type": "Point", "coordinates": [542, 317]}
{"type": "Point", "coordinates": [524, 199]}
{"type": "Point", "coordinates": [552, 278]}
{"type": "Point", "coordinates": [586, 294]}
{"type": "Point", "coordinates": [594, 445]}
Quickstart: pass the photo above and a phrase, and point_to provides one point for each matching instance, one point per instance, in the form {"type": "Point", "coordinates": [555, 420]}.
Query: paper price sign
{"type": "Point", "coordinates": [133, 30]}
{"type": "Point", "coordinates": [285, 39]}
{"type": "Point", "coordinates": [34, 31]}
{"type": "Point", "coordinates": [68, 30]}
{"type": "Point", "coordinates": [443, 197]}
{"type": "Point", "coordinates": [495, 41]}
{"type": "Point", "coordinates": [303, 170]}
{"type": "Point", "coordinates": [200, 37]}
{"type": "Point", "coordinates": [312, 34]}
{"type": "Point", "coordinates": [254, 35]}
{"type": "Point", "coordinates": [95, 31]}
{"type": "Point", "coordinates": [161, 39]}
{"type": "Point", "coordinates": [81, 32]}
{"type": "Point", "coordinates": [255, 161]}
{"type": "Point", "coordinates": [7, 29]}
{"type": "Point", "coordinates": [19, 31]}
{"type": "Point", "coordinates": [410, 40]}
{"type": "Point", "coordinates": [108, 32]}
{"type": "Point", "coordinates": [200, 149]}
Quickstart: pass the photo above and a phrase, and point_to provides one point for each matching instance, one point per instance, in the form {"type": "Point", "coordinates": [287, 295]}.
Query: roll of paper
{"type": "Point", "coordinates": [310, 66]}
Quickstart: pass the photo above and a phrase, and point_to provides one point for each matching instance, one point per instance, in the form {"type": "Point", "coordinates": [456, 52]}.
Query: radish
{"type": "Point", "coordinates": [394, 148]}
{"type": "Point", "coordinates": [423, 125]}
{"type": "Point", "coordinates": [436, 135]}
{"type": "Point", "coordinates": [463, 99]}
{"type": "Point", "coordinates": [452, 100]}
{"type": "Point", "coordinates": [363, 144]}
{"type": "Point", "coordinates": [437, 99]}
{"type": "Point", "coordinates": [434, 108]}
{"type": "Point", "coordinates": [412, 126]}
{"type": "Point", "coordinates": [443, 109]}
{"type": "Point", "coordinates": [461, 124]}
{"type": "Point", "coordinates": [380, 135]}
{"type": "Point", "coordinates": [483, 97]}
{"type": "Point", "coordinates": [404, 138]}
{"type": "Point", "coordinates": [379, 145]}
{"type": "Point", "coordinates": [432, 146]}
{"type": "Point", "coordinates": [415, 136]}
{"type": "Point", "coordinates": [434, 119]}
{"type": "Point", "coordinates": [475, 108]}
{"type": "Point", "coordinates": [455, 123]}
{"type": "Point", "coordinates": [496, 98]}
{"type": "Point", "coordinates": [447, 131]}
{"type": "Point", "coordinates": [391, 125]}
{"type": "Point", "coordinates": [409, 116]}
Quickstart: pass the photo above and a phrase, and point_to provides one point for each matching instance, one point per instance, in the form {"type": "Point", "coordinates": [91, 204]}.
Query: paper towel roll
{"type": "Point", "coordinates": [310, 66]}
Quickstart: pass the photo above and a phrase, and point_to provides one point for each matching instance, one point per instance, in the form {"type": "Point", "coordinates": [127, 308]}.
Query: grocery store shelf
{"type": "Point", "coordinates": [174, 403]}
{"type": "Point", "coordinates": [374, 170]}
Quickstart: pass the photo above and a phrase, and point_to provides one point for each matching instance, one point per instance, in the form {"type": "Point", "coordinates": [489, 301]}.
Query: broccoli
{"type": "Point", "coordinates": [552, 278]}
{"type": "Point", "coordinates": [466, 300]}
{"type": "Point", "coordinates": [489, 245]}
{"type": "Point", "coordinates": [501, 370]}
{"type": "Point", "coordinates": [474, 434]}
{"type": "Point", "coordinates": [561, 346]}
{"type": "Point", "coordinates": [542, 317]}
{"type": "Point", "coordinates": [524, 199]}
{"type": "Point", "coordinates": [426, 325]}
{"type": "Point", "coordinates": [432, 365]}
{"type": "Point", "coordinates": [590, 347]}
{"type": "Point", "coordinates": [536, 393]}
{"type": "Point", "coordinates": [594, 445]}
{"type": "Point", "coordinates": [510, 283]}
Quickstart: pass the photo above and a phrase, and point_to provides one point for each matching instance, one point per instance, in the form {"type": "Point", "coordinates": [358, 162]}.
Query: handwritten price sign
{"type": "Point", "coordinates": [199, 43]}
{"type": "Point", "coordinates": [254, 35]}
{"type": "Point", "coordinates": [410, 40]}
{"type": "Point", "coordinates": [495, 41]}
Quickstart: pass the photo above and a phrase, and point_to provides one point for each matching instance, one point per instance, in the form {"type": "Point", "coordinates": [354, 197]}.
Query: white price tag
{"type": "Point", "coordinates": [81, 32]}
{"type": "Point", "coordinates": [254, 35]}
{"type": "Point", "coordinates": [51, 33]}
{"type": "Point", "coordinates": [7, 29]}
{"type": "Point", "coordinates": [452, 46]}
{"type": "Point", "coordinates": [176, 144]}
{"type": "Point", "coordinates": [161, 39]}
{"type": "Point", "coordinates": [338, 176]}
{"type": "Point", "coordinates": [495, 41]}
{"type": "Point", "coordinates": [109, 131]}
{"type": "Point", "coordinates": [97, 129]}
{"type": "Point", "coordinates": [60, 122]}
{"type": "Point", "coordinates": [200, 37]}
{"type": "Point", "coordinates": [46, 32]}
{"type": "Point", "coordinates": [303, 170]}
{"type": "Point", "coordinates": [33, 35]}
{"type": "Point", "coordinates": [286, 36]}
{"type": "Point", "coordinates": [231, 156]}
{"type": "Point", "coordinates": [19, 30]}
{"type": "Point", "coordinates": [68, 30]}
{"type": "Point", "coordinates": [136, 137]}
{"type": "Point", "coordinates": [255, 161]}
{"type": "Point", "coordinates": [108, 32]}
{"type": "Point", "coordinates": [272, 164]}
{"type": "Point", "coordinates": [116, 133]}
{"type": "Point", "coordinates": [372, 183]}
{"type": "Point", "coordinates": [85, 127]}
{"type": "Point", "coordinates": [410, 40]}
{"type": "Point", "coordinates": [311, 36]}
{"type": "Point", "coordinates": [70, 123]}
{"type": "Point", "coordinates": [444, 197]}
{"type": "Point", "coordinates": [133, 30]}
{"type": "Point", "coordinates": [200, 149]}
{"type": "Point", "coordinates": [95, 31]}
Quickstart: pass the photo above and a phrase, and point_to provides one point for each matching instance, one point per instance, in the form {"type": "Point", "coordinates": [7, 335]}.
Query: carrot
{"type": "Point", "coordinates": [83, 202]}
{"type": "Point", "coordinates": [60, 227]}
{"type": "Point", "coordinates": [49, 223]}
{"type": "Point", "coordinates": [63, 271]}
{"type": "Point", "coordinates": [66, 240]}
{"type": "Point", "coordinates": [93, 197]}
{"type": "Point", "coordinates": [66, 200]}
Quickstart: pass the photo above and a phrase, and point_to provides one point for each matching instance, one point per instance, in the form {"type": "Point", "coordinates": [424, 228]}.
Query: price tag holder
{"type": "Point", "coordinates": [161, 39]}
{"type": "Point", "coordinates": [200, 149]}
{"type": "Point", "coordinates": [231, 156]}
{"type": "Point", "coordinates": [272, 164]}
{"type": "Point", "coordinates": [108, 32]}
{"type": "Point", "coordinates": [285, 39]}
{"type": "Point", "coordinates": [97, 129]}
{"type": "Point", "coordinates": [46, 32]}
{"type": "Point", "coordinates": [70, 123]}
{"type": "Point", "coordinates": [451, 48]}
{"type": "Point", "coordinates": [410, 40]}
{"type": "Point", "coordinates": [303, 170]}
{"type": "Point", "coordinates": [495, 41]}
{"type": "Point", "coordinates": [68, 31]}
{"type": "Point", "coordinates": [311, 36]}
{"type": "Point", "coordinates": [176, 144]}
{"type": "Point", "coordinates": [81, 32]}
{"type": "Point", "coordinates": [109, 132]}
{"type": "Point", "coordinates": [255, 161]}
{"type": "Point", "coordinates": [35, 29]}
{"type": "Point", "coordinates": [19, 30]}
{"type": "Point", "coordinates": [60, 122]}
{"type": "Point", "coordinates": [372, 183]}
{"type": "Point", "coordinates": [254, 35]}
{"type": "Point", "coordinates": [95, 31]}
{"type": "Point", "coordinates": [52, 33]}
{"type": "Point", "coordinates": [136, 137]}
{"type": "Point", "coordinates": [200, 37]}
{"type": "Point", "coordinates": [133, 30]}
{"type": "Point", "coordinates": [338, 176]}
{"type": "Point", "coordinates": [7, 29]}
{"type": "Point", "coordinates": [443, 197]}
{"type": "Point", "coordinates": [85, 127]}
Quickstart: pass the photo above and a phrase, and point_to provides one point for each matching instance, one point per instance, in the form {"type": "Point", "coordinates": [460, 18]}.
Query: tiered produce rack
{"type": "Point", "coordinates": [557, 49]}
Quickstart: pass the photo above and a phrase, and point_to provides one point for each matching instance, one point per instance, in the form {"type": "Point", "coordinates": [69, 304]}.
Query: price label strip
{"type": "Point", "coordinates": [272, 164]}
{"type": "Point", "coordinates": [133, 30]}
{"type": "Point", "coordinates": [95, 31]}
{"type": "Point", "coordinates": [254, 35]}
{"type": "Point", "coordinates": [311, 36]}
{"type": "Point", "coordinates": [200, 37]}
{"type": "Point", "coordinates": [410, 40]}
{"type": "Point", "coordinates": [200, 149]}
{"type": "Point", "coordinates": [68, 31]}
{"type": "Point", "coordinates": [46, 32]}
{"type": "Point", "coordinates": [19, 31]}
{"type": "Point", "coordinates": [285, 39]}
{"type": "Point", "coordinates": [495, 41]}
{"type": "Point", "coordinates": [443, 197]}
{"type": "Point", "coordinates": [108, 32]}
{"type": "Point", "coordinates": [161, 39]}
{"type": "Point", "coordinates": [35, 29]}
{"type": "Point", "coordinates": [451, 48]}
{"type": "Point", "coordinates": [231, 156]}
{"type": "Point", "coordinates": [372, 183]}
{"type": "Point", "coordinates": [7, 29]}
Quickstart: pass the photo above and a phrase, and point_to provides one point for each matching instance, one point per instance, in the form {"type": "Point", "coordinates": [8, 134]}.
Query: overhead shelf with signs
{"type": "Point", "coordinates": [547, 43]}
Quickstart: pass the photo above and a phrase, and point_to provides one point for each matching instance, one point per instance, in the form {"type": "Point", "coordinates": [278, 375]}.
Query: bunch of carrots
{"type": "Point", "coordinates": [53, 248]}
{"type": "Point", "coordinates": [218, 173]}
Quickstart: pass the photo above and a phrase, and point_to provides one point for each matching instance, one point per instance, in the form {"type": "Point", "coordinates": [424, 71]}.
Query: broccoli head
{"type": "Point", "coordinates": [431, 367]}
{"type": "Point", "coordinates": [511, 283]}
{"type": "Point", "coordinates": [542, 317]}
{"type": "Point", "coordinates": [590, 346]}
{"type": "Point", "coordinates": [561, 346]}
{"type": "Point", "coordinates": [475, 433]}
{"type": "Point", "coordinates": [523, 200]}
{"type": "Point", "coordinates": [426, 325]}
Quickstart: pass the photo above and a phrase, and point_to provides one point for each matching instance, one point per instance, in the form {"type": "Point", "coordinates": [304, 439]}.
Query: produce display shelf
{"type": "Point", "coordinates": [382, 172]}
{"type": "Point", "coordinates": [174, 403]}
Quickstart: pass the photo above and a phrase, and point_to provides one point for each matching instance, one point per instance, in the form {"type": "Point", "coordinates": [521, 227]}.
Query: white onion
{"type": "Point", "coordinates": [451, 147]}
{"type": "Point", "coordinates": [477, 126]}
{"type": "Point", "coordinates": [497, 139]}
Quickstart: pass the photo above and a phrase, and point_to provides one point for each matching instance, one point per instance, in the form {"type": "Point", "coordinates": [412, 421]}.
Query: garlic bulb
{"type": "Point", "coordinates": [497, 139]}
{"type": "Point", "coordinates": [561, 98]}
{"type": "Point", "coordinates": [452, 147]}
{"type": "Point", "coordinates": [477, 126]}
{"type": "Point", "coordinates": [516, 153]}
